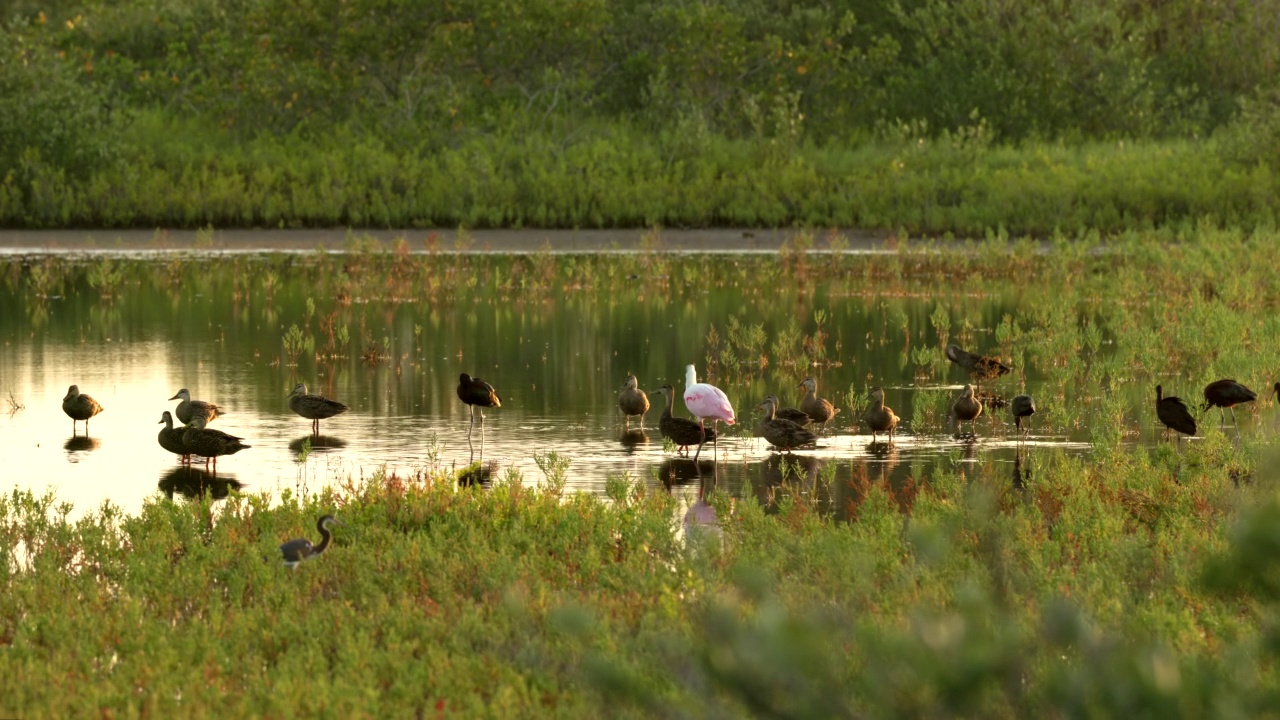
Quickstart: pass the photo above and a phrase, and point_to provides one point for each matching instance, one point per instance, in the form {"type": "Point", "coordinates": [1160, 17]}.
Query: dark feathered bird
{"type": "Point", "coordinates": [79, 407]}
{"type": "Point", "coordinates": [879, 417]}
{"type": "Point", "coordinates": [313, 407]}
{"type": "Point", "coordinates": [210, 444]}
{"type": "Point", "coordinates": [795, 415]}
{"type": "Point", "coordinates": [1174, 414]}
{"type": "Point", "coordinates": [681, 431]}
{"type": "Point", "coordinates": [632, 401]}
{"type": "Point", "coordinates": [189, 408]}
{"type": "Point", "coordinates": [1023, 407]}
{"type": "Point", "coordinates": [967, 408]}
{"type": "Point", "coordinates": [979, 367]}
{"type": "Point", "coordinates": [1227, 394]}
{"type": "Point", "coordinates": [820, 410]}
{"type": "Point", "coordinates": [299, 550]}
{"type": "Point", "coordinates": [477, 393]}
{"type": "Point", "coordinates": [780, 433]}
{"type": "Point", "coordinates": [170, 438]}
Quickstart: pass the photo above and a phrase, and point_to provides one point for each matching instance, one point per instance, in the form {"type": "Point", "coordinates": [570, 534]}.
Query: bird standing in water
{"type": "Point", "coordinates": [313, 407]}
{"type": "Point", "coordinates": [879, 417]}
{"type": "Point", "coordinates": [1227, 394]}
{"type": "Point", "coordinates": [1023, 407]}
{"type": "Point", "coordinates": [210, 444]}
{"type": "Point", "coordinates": [170, 438]}
{"type": "Point", "coordinates": [79, 407]}
{"type": "Point", "coordinates": [781, 433]}
{"type": "Point", "coordinates": [967, 408]}
{"type": "Point", "coordinates": [681, 431]}
{"type": "Point", "coordinates": [1173, 412]}
{"type": "Point", "coordinates": [477, 393]}
{"type": "Point", "coordinates": [820, 410]}
{"type": "Point", "coordinates": [299, 550]}
{"type": "Point", "coordinates": [189, 408]}
{"type": "Point", "coordinates": [632, 401]}
{"type": "Point", "coordinates": [706, 402]}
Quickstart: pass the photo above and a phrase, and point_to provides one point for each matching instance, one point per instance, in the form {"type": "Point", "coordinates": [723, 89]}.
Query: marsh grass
{"type": "Point", "coordinates": [1098, 588]}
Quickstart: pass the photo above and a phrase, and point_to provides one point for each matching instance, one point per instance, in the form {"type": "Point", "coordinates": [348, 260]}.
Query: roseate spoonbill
{"type": "Point", "coordinates": [313, 407]}
{"type": "Point", "coordinates": [979, 367]}
{"type": "Point", "coordinates": [783, 434]}
{"type": "Point", "coordinates": [476, 392]}
{"type": "Point", "coordinates": [706, 401]}
{"type": "Point", "coordinates": [819, 409]}
{"type": "Point", "coordinates": [199, 440]}
{"type": "Point", "coordinates": [189, 408]}
{"type": "Point", "coordinates": [1173, 412]}
{"type": "Point", "coordinates": [967, 408]}
{"type": "Point", "coordinates": [1227, 394]}
{"type": "Point", "coordinates": [299, 550]}
{"type": "Point", "coordinates": [681, 431]}
{"type": "Point", "coordinates": [632, 401]}
{"type": "Point", "coordinates": [879, 417]}
{"type": "Point", "coordinates": [1023, 407]}
{"type": "Point", "coordinates": [170, 438]}
{"type": "Point", "coordinates": [79, 407]}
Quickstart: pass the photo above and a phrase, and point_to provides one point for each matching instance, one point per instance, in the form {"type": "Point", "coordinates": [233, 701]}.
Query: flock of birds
{"type": "Point", "coordinates": [782, 427]}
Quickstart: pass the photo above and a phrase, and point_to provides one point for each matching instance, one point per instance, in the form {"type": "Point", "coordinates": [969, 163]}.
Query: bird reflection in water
{"type": "Point", "coordinates": [80, 444]}
{"type": "Point", "coordinates": [476, 473]}
{"type": "Point", "coordinates": [1021, 473]}
{"type": "Point", "coordinates": [796, 474]}
{"type": "Point", "coordinates": [193, 483]}
{"type": "Point", "coordinates": [699, 519]}
{"type": "Point", "coordinates": [632, 438]}
{"type": "Point", "coordinates": [319, 443]}
{"type": "Point", "coordinates": [684, 471]}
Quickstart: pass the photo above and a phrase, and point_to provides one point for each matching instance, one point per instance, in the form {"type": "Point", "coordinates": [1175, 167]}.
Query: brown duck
{"type": "Point", "coordinates": [632, 401]}
{"type": "Point", "coordinates": [210, 444]}
{"type": "Point", "coordinates": [783, 434]}
{"type": "Point", "coordinates": [879, 417]}
{"type": "Point", "coordinates": [79, 407]}
{"type": "Point", "coordinates": [189, 408]}
{"type": "Point", "coordinates": [820, 410]}
{"type": "Point", "coordinates": [313, 407]}
{"type": "Point", "coordinates": [967, 408]}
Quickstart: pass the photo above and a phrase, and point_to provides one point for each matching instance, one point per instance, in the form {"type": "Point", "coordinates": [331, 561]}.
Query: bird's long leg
{"type": "Point", "coordinates": [715, 441]}
{"type": "Point", "coordinates": [472, 426]}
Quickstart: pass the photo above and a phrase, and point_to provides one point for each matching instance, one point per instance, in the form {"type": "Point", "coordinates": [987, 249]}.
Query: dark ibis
{"type": "Point", "coordinates": [1023, 406]}
{"type": "Point", "coordinates": [1227, 394]}
{"type": "Point", "coordinates": [1173, 412]}
{"type": "Point", "coordinates": [477, 393]}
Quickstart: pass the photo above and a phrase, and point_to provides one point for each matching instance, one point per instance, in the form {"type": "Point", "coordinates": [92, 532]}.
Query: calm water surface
{"type": "Point", "coordinates": [557, 344]}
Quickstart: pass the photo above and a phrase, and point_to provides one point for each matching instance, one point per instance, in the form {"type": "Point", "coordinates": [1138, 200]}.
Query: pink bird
{"type": "Point", "coordinates": [705, 402]}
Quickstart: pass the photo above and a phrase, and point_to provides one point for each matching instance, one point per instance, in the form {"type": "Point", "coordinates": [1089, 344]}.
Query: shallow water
{"type": "Point", "coordinates": [558, 351]}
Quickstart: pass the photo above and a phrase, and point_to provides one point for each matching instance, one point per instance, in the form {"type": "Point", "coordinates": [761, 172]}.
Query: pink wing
{"type": "Point", "coordinates": [708, 401]}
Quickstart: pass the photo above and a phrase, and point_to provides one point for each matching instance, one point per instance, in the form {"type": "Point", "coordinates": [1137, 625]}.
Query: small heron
{"type": "Point", "coordinates": [79, 407]}
{"type": "Point", "coordinates": [298, 550]}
